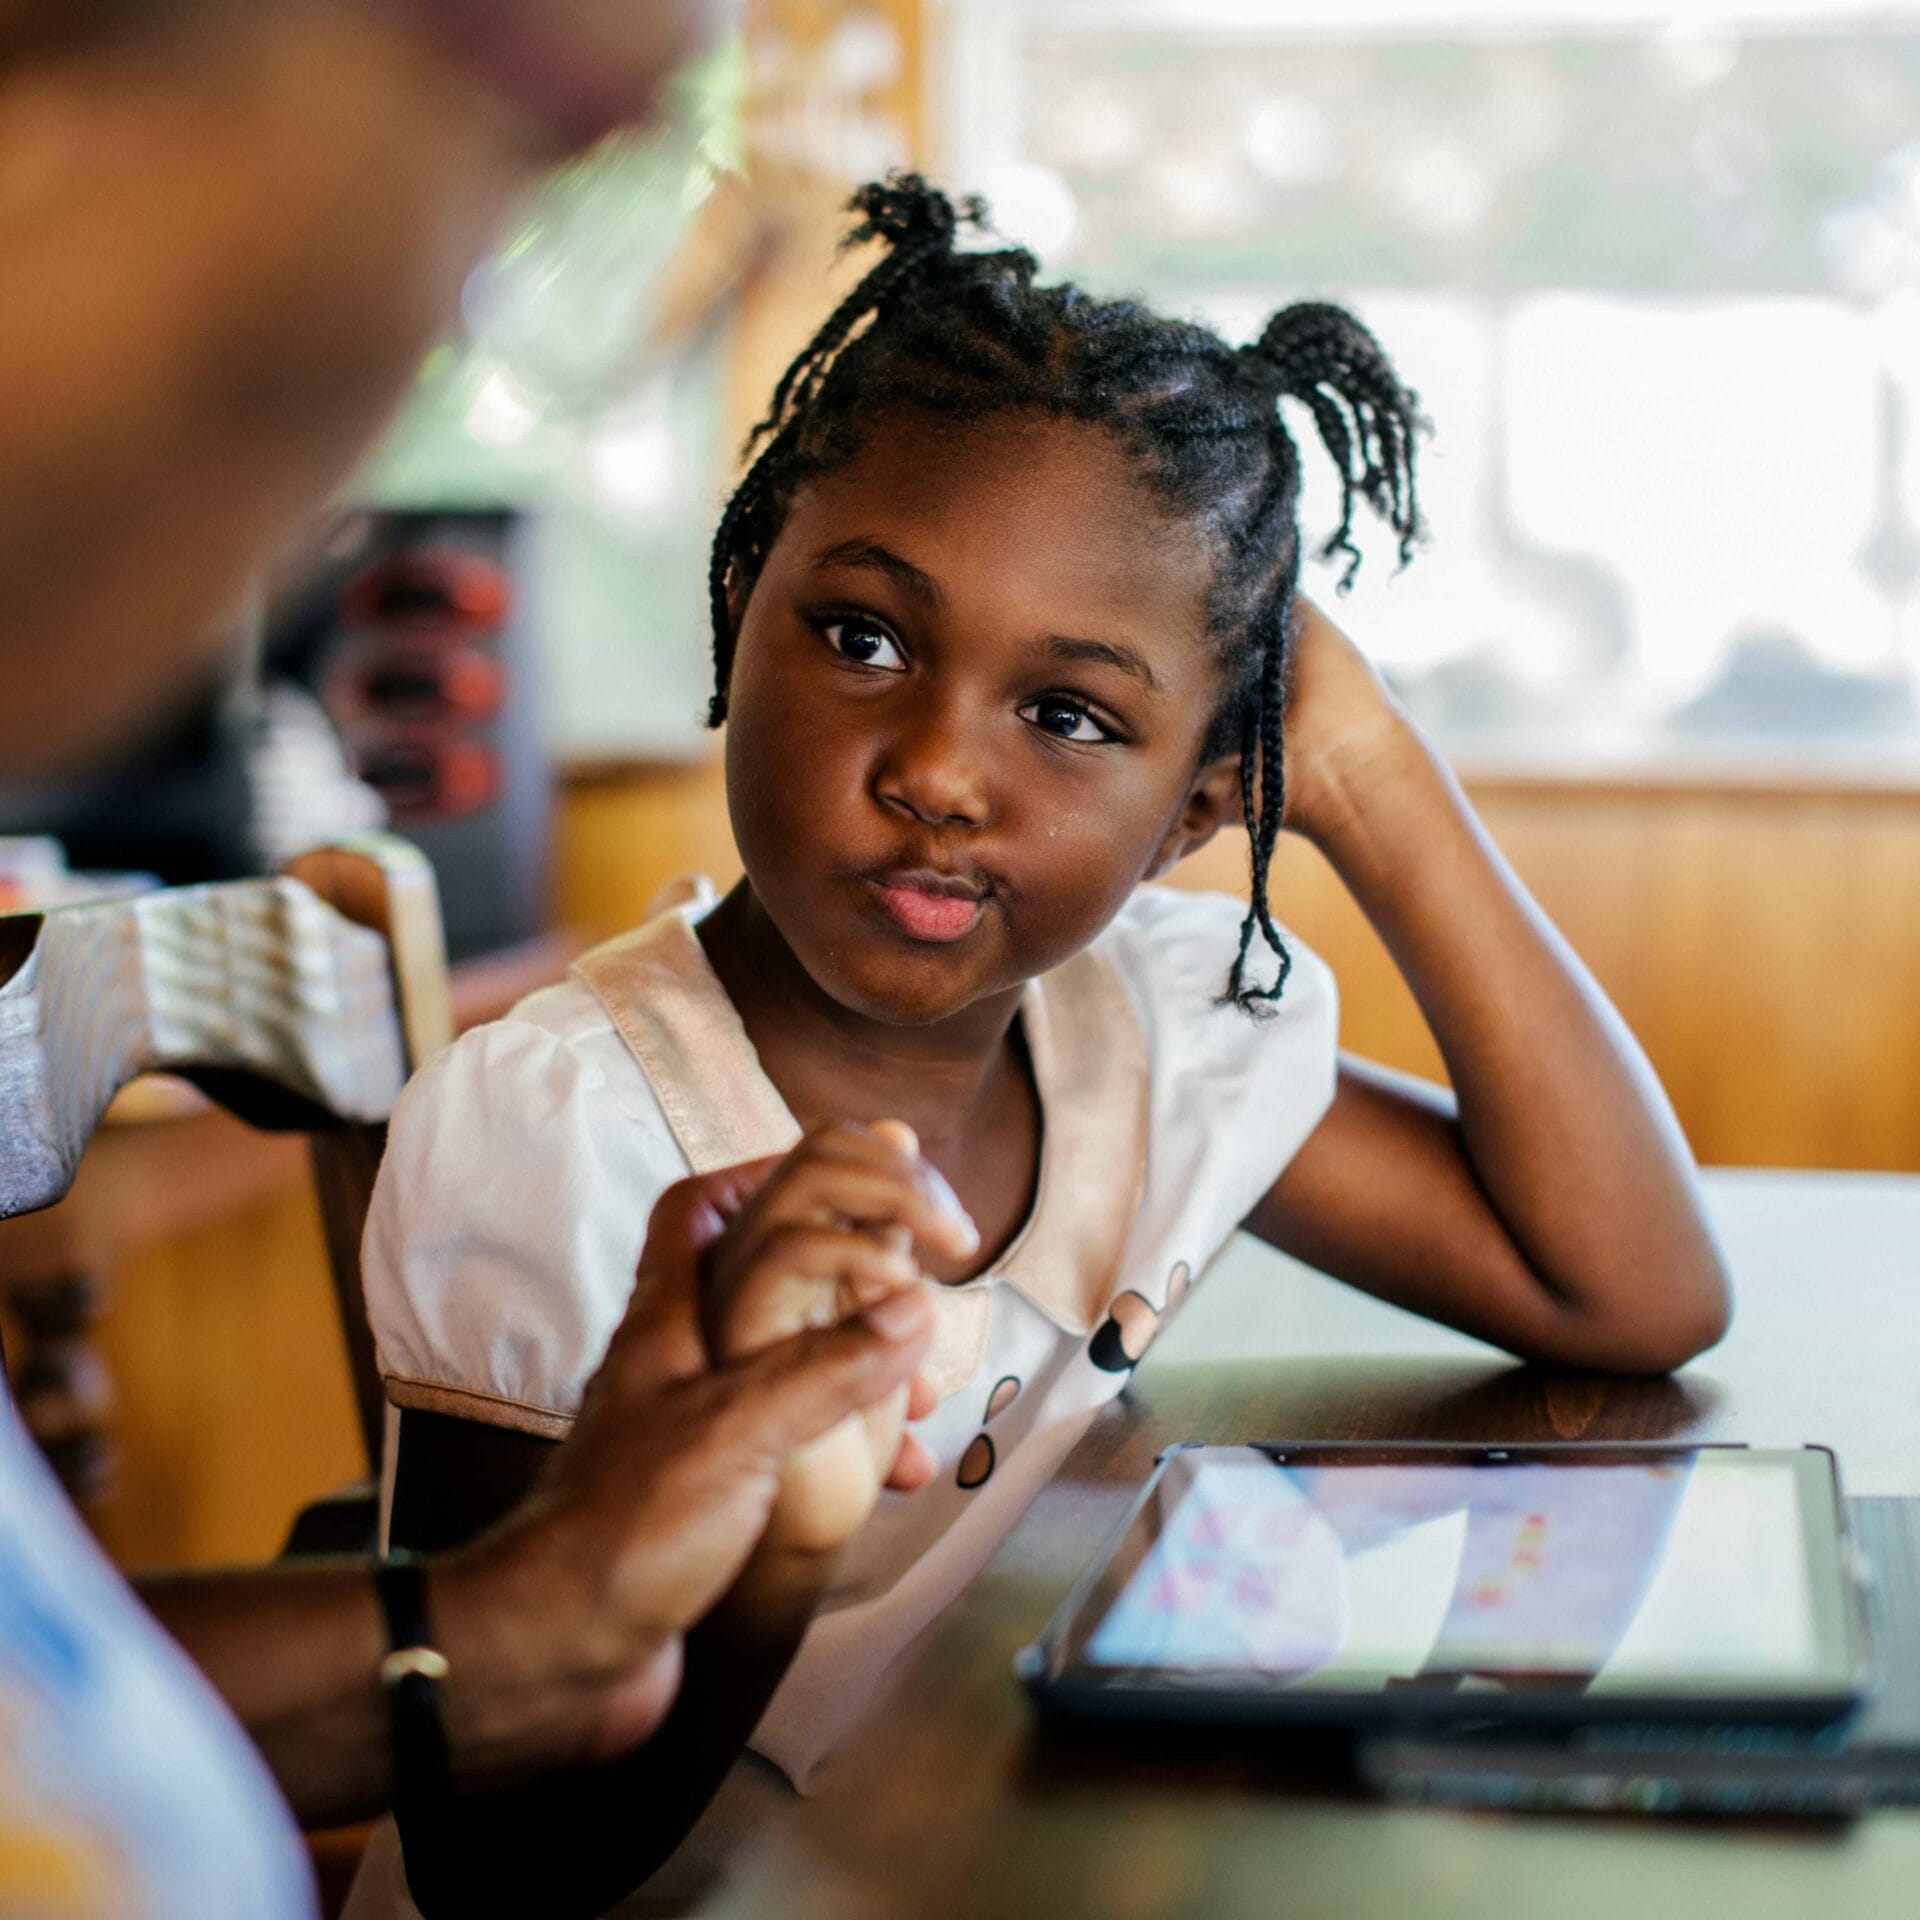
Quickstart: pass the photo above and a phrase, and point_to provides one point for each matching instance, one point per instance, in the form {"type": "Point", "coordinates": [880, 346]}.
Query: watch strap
{"type": "Point", "coordinates": [411, 1675]}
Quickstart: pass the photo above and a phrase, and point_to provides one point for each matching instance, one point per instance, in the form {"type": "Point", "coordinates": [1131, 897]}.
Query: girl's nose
{"type": "Point", "coordinates": [932, 773]}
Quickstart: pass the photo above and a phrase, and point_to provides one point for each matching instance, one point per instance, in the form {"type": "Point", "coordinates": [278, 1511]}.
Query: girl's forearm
{"type": "Point", "coordinates": [577, 1841]}
{"type": "Point", "coordinates": [1562, 1121]}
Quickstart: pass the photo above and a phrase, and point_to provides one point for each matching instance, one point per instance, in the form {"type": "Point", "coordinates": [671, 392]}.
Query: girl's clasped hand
{"type": "Point", "coordinates": [836, 1231]}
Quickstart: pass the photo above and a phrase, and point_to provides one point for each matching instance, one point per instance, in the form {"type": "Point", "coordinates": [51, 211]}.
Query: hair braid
{"type": "Point", "coordinates": [1265, 746]}
{"type": "Point", "coordinates": [919, 223]}
{"type": "Point", "coordinates": [728, 543]}
{"type": "Point", "coordinates": [962, 335]}
{"type": "Point", "coordinates": [1322, 356]}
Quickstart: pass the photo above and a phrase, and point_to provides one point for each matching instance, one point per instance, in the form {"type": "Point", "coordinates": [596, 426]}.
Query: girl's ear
{"type": "Point", "coordinates": [1212, 802]}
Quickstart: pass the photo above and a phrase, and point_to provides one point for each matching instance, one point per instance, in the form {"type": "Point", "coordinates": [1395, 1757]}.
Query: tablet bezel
{"type": "Point", "coordinates": [1058, 1678]}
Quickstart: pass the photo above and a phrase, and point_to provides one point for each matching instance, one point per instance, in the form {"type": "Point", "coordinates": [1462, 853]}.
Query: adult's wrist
{"type": "Point", "coordinates": [539, 1676]}
{"type": "Point", "coordinates": [411, 1676]}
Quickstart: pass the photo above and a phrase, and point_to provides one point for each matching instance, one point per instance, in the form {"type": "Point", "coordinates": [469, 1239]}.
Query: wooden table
{"type": "Point", "coordinates": [954, 1802]}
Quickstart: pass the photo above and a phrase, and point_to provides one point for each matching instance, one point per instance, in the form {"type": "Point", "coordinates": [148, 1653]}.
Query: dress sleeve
{"type": "Point", "coordinates": [506, 1225]}
{"type": "Point", "coordinates": [1234, 1095]}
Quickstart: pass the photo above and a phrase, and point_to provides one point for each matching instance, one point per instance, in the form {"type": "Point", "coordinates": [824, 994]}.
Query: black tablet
{"type": "Point", "coordinates": [1361, 1584]}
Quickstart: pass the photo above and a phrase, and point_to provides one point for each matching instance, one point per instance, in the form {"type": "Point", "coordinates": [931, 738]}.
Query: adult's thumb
{"type": "Point", "coordinates": [693, 1212]}
{"type": "Point", "coordinates": [686, 1220]}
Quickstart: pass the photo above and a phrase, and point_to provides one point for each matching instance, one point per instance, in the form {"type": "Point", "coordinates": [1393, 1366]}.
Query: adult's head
{"type": "Point", "coordinates": [231, 231]}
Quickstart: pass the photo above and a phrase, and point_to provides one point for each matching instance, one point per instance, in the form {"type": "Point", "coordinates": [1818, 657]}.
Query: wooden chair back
{"type": "Point", "coordinates": [300, 1002]}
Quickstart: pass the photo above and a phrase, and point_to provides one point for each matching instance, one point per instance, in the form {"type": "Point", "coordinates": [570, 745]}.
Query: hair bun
{"type": "Point", "coordinates": [904, 210]}
{"type": "Point", "coordinates": [1322, 356]}
{"type": "Point", "coordinates": [1313, 343]}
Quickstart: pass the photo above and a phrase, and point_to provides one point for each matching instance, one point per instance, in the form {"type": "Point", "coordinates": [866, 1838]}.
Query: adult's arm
{"type": "Point", "coordinates": [563, 1626]}
{"type": "Point", "coordinates": [579, 1838]}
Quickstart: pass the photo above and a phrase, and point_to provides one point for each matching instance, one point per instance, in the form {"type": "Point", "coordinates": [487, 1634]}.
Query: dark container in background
{"type": "Point", "coordinates": [419, 640]}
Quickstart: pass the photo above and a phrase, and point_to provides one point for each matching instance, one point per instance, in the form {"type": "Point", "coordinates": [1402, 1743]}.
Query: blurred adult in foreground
{"type": "Point", "coordinates": [230, 232]}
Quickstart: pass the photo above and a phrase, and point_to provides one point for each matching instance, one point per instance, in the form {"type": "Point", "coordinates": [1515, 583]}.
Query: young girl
{"type": "Point", "coordinates": [1005, 625]}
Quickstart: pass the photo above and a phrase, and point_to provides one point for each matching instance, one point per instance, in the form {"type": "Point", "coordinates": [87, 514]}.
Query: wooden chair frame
{"type": "Point", "coordinates": [300, 1002]}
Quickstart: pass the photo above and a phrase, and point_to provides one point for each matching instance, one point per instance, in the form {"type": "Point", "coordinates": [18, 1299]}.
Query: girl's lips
{"type": "Point", "coordinates": [931, 916]}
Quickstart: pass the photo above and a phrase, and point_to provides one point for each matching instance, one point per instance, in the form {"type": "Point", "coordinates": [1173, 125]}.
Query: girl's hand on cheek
{"type": "Point", "coordinates": [834, 1231]}
{"type": "Point", "coordinates": [1343, 727]}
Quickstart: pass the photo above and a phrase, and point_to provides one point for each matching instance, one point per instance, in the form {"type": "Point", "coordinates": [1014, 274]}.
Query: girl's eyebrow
{"type": "Point", "coordinates": [1110, 653]}
{"type": "Point", "coordinates": [903, 573]}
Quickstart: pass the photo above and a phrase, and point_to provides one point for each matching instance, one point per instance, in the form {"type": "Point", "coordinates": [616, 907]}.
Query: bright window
{"type": "Point", "coordinates": [1656, 279]}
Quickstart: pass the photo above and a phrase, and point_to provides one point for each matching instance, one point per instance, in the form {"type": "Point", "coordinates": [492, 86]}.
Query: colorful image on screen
{"type": "Point", "coordinates": [1584, 1578]}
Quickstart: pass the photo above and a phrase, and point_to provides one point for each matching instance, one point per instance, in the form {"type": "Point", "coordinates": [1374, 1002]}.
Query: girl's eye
{"type": "Point", "coordinates": [864, 643]}
{"type": "Point", "coordinates": [1065, 719]}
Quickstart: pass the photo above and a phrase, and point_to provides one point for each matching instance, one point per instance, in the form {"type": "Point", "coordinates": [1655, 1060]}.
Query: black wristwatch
{"type": "Point", "coordinates": [410, 1675]}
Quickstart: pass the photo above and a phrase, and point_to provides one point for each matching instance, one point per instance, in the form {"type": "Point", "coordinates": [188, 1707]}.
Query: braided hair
{"type": "Point", "coordinates": [963, 334]}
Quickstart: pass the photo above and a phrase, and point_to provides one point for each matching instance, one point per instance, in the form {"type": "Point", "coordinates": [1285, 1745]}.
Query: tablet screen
{"type": "Point", "coordinates": [1689, 1572]}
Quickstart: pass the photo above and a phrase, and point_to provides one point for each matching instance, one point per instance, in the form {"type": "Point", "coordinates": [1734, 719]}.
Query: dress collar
{"type": "Point", "coordinates": [1089, 1068]}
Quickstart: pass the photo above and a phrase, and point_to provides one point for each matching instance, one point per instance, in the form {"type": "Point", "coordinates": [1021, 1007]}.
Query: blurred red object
{"type": "Point", "coordinates": [411, 682]}
{"type": "Point", "coordinates": [425, 779]}
{"type": "Point", "coordinates": [430, 593]}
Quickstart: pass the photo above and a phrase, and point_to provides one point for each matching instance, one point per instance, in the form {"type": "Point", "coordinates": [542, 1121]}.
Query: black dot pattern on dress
{"type": "Point", "coordinates": [980, 1459]}
{"type": "Point", "coordinates": [1108, 1347]}
{"type": "Point", "coordinates": [977, 1463]}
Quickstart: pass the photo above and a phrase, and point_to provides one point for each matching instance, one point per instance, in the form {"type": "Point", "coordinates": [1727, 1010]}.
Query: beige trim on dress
{"type": "Point", "coordinates": [463, 1403]}
{"type": "Point", "coordinates": [961, 1319]}
{"type": "Point", "coordinates": [668, 1005]}
{"type": "Point", "coordinates": [1089, 1067]}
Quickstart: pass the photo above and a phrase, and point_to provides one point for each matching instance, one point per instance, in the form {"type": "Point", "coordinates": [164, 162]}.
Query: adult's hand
{"type": "Point", "coordinates": [563, 1626]}
{"type": "Point", "coordinates": [684, 1588]}
{"type": "Point", "coordinates": [575, 1608]}
{"type": "Point", "coordinates": [837, 1225]}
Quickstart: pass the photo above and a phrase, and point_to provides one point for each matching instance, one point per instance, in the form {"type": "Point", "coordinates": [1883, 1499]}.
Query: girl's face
{"type": "Point", "coordinates": [968, 702]}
